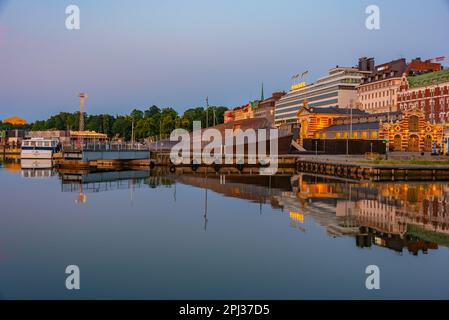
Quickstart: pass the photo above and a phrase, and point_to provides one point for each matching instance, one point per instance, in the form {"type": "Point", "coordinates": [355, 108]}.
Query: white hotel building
{"type": "Point", "coordinates": [338, 89]}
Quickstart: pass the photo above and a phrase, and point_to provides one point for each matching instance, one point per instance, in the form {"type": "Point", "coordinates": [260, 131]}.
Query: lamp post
{"type": "Point", "coordinates": [160, 133]}
{"type": "Point", "coordinates": [349, 136]}
{"type": "Point", "coordinates": [207, 112]}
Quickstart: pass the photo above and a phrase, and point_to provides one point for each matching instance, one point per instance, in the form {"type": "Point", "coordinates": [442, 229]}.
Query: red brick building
{"type": "Point", "coordinates": [378, 90]}
{"type": "Point", "coordinates": [428, 93]}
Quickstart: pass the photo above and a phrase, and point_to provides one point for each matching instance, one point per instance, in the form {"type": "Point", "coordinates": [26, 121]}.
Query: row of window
{"type": "Point", "coordinates": [376, 86]}
{"type": "Point", "coordinates": [377, 104]}
{"type": "Point", "coordinates": [421, 94]}
{"type": "Point", "coordinates": [422, 104]}
{"type": "Point", "coordinates": [37, 144]}
{"type": "Point", "coordinates": [381, 94]}
{"type": "Point", "coordinates": [365, 135]}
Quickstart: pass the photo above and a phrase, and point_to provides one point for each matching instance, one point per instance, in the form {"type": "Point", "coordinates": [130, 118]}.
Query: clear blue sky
{"type": "Point", "coordinates": [137, 53]}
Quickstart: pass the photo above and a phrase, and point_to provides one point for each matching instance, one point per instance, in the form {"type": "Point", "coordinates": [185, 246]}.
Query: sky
{"type": "Point", "coordinates": [133, 54]}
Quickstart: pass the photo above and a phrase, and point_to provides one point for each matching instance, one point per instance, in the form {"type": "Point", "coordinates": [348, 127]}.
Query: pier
{"type": "Point", "coordinates": [359, 169]}
{"type": "Point", "coordinates": [103, 156]}
{"type": "Point", "coordinates": [400, 167]}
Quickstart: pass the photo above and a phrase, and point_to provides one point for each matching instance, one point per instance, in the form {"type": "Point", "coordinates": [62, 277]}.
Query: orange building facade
{"type": "Point", "coordinates": [413, 133]}
{"type": "Point", "coordinates": [312, 120]}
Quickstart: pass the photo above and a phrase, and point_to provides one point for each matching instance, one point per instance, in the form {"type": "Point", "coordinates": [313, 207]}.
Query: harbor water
{"type": "Point", "coordinates": [141, 234]}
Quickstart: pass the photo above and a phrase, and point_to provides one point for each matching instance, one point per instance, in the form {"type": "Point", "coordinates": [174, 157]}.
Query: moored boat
{"type": "Point", "coordinates": [39, 148]}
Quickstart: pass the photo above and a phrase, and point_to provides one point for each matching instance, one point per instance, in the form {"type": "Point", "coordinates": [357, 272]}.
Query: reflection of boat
{"type": "Point", "coordinates": [36, 168]}
{"type": "Point", "coordinates": [86, 182]}
{"type": "Point", "coordinates": [36, 163]}
{"type": "Point", "coordinates": [39, 148]}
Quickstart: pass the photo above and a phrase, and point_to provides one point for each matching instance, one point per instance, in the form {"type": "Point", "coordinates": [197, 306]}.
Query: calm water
{"type": "Point", "coordinates": [142, 235]}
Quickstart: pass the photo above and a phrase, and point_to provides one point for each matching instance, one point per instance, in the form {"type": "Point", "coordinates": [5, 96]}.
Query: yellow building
{"type": "Point", "coordinates": [312, 120]}
{"type": "Point", "coordinates": [407, 131]}
{"type": "Point", "coordinates": [88, 136]}
{"type": "Point", "coordinates": [16, 121]}
{"type": "Point", "coordinates": [412, 133]}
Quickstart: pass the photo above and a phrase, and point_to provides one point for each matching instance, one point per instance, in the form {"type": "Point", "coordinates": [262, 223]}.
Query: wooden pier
{"type": "Point", "coordinates": [103, 157]}
{"type": "Point", "coordinates": [374, 172]}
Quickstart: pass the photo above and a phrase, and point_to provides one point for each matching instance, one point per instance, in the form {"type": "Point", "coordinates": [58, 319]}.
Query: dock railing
{"type": "Point", "coordinates": [105, 146]}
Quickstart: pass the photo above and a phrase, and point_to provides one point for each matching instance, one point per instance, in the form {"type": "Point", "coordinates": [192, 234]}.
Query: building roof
{"type": "Point", "coordinates": [370, 115]}
{"type": "Point", "coordinates": [390, 69]}
{"type": "Point", "coordinates": [428, 79]}
{"type": "Point", "coordinates": [15, 121]}
{"type": "Point", "coordinates": [355, 127]}
{"type": "Point", "coordinates": [336, 110]}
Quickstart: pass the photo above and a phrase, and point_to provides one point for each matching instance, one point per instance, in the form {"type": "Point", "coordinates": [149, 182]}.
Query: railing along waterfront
{"type": "Point", "coordinates": [108, 146]}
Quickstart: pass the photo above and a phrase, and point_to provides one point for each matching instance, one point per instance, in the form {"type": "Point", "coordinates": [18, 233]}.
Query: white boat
{"type": "Point", "coordinates": [39, 148]}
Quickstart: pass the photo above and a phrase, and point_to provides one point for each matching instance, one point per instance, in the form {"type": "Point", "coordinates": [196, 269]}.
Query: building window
{"type": "Point", "coordinates": [374, 135]}
{"type": "Point", "coordinates": [413, 123]}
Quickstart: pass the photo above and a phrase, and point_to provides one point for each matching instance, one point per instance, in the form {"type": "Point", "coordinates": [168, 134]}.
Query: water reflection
{"type": "Point", "coordinates": [397, 216]}
{"type": "Point", "coordinates": [391, 215]}
{"type": "Point", "coordinates": [234, 236]}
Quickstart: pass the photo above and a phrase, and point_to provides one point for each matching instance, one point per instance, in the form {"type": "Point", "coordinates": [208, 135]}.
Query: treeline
{"type": "Point", "coordinates": [8, 126]}
{"type": "Point", "coordinates": [147, 123]}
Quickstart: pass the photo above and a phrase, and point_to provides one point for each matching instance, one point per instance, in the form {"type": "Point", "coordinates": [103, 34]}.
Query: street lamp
{"type": "Point", "coordinates": [207, 112]}
{"type": "Point", "coordinates": [351, 104]}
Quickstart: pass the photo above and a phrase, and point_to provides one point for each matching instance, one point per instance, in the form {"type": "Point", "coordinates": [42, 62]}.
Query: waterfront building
{"type": "Point", "coordinates": [242, 113]}
{"type": "Point", "coordinates": [16, 121]}
{"type": "Point", "coordinates": [266, 108]}
{"type": "Point", "coordinates": [14, 137]}
{"type": "Point", "coordinates": [87, 136]}
{"type": "Point", "coordinates": [427, 92]}
{"type": "Point", "coordinates": [313, 119]}
{"type": "Point", "coordinates": [62, 135]}
{"type": "Point", "coordinates": [408, 131]}
{"type": "Point", "coordinates": [263, 108]}
{"type": "Point", "coordinates": [378, 91]}
{"type": "Point", "coordinates": [413, 133]}
{"type": "Point", "coordinates": [364, 126]}
{"type": "Point", "coordinates": [69, 137]}
{"type": "Point", "coordinates": [338, 89]}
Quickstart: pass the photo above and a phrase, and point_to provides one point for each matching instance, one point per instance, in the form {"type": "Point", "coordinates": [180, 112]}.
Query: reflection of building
{"type": "Point", "coordinates": [338, 88]}
{"type": "Point", "coordinates": [392, 215]}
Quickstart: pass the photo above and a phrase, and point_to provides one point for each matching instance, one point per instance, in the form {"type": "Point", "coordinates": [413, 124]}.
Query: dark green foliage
{"type": "Point", "coordinates": [148, 123]}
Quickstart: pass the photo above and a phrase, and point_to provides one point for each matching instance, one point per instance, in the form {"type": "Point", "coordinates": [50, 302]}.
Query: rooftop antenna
{"type": "Point", "coordinates": [207, 112]}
